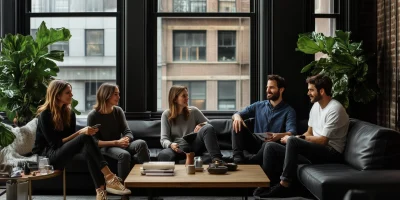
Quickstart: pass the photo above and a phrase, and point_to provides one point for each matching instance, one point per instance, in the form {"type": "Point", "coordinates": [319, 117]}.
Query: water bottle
{"type": "Point", "coordinates": [198, 162]}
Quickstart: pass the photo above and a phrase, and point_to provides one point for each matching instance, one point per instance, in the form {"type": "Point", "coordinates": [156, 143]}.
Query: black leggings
{"type": "Point", "coordinates": [80, 144]}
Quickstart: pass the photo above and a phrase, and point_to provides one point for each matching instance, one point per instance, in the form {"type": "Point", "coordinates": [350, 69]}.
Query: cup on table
{"type": "Point", "coordinates": [190, 169]}
{"type": "Point", "coordinates": [43, 161]}
{"type": "Point", "coordinates": [49, 169]}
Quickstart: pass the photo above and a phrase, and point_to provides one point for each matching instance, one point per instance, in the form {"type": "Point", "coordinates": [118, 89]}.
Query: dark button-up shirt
{"type": "Point", "coordinates": [278, 119]}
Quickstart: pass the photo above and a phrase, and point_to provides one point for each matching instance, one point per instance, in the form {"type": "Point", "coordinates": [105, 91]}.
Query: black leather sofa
{"type": "Point", "coordinates": [371, 164]}
{"type": "Point", "coordinates": [372, 161]}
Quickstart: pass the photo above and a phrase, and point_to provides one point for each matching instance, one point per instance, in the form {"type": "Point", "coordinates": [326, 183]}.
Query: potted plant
{"type": "Point", "coordinates": [343, 61]}
{"type": "Point", "coordinates": [27, 66]}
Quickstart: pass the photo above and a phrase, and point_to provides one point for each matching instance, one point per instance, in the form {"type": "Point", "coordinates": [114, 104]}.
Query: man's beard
{"type": "Point", "coordinates": [274, 96]}
{"type": "Point", "coordinates": [316, 98]}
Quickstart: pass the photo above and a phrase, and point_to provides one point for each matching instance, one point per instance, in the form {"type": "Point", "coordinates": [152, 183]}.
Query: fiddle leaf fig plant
{"type": "Point", "coordinates": [343, 61]}
{"type": "Point", "coordinates": [27, 67]}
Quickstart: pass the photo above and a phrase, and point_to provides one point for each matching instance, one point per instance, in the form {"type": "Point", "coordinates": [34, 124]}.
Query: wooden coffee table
{"type": "Point", "coordinates": [246, 176]}
{"type": "Point", "coordinates": [38, 176]}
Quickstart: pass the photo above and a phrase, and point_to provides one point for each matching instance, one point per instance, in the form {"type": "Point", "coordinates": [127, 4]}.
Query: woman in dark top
{"type": "Point", "coordinates": [56, 138]}
{"type": "Point", "coordinates": [114, 136]}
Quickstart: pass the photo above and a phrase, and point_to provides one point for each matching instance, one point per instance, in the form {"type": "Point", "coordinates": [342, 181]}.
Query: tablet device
{"type": "Point", "coordinates": [190, 137]}
{"type": "Point", "coordinates": [263, 136]}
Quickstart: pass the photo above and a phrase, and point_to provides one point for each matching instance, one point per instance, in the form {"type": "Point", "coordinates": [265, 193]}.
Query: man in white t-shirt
{"type": "Point", "coordinates": [323, 142]}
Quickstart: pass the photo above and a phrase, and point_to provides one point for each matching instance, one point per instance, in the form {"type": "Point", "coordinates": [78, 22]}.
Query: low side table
{"type": "Point", "coordinates": [38, 176]}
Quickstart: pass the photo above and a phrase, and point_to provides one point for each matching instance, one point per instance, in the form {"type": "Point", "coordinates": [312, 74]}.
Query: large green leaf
{"type": "Point", "coordinates": [308, 67]}
{"type": "Point", "coordinates": [329, 43]}
{"type": "Point", "coordinates": [6, 136]}
{"type": "Point", "coordinates": [74, 104]}
{"type": "Point", "coordinates": [307, 45]}
{"type": "Point", "coordinates": [46, 37]}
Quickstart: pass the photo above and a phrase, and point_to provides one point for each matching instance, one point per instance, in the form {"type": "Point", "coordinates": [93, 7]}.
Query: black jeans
{"type": "Point", "coordinates": [206, 139]}
{"type": "Point", "coordinates": [80, 144]}
{"type": "Point", "coordinates": [245, 140]}
{"type": "Point", "coordinates": [280, 162]}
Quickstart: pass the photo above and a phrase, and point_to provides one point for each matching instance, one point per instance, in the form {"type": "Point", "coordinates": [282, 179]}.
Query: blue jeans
{"type": "Point", "coordinates": [124, 156]}
{"type": "Point", "coordinates": [206, 139]}
{"type": "Point", "coordinates": [282, 160]}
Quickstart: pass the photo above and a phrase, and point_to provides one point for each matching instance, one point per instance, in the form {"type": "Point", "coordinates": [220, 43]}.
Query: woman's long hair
{"type": "Point", "coordinates": [61, 116]}
{"type": "Point", "coordinates": [105, 91]}
{"type": "Point", "coordinates": [174, 93]}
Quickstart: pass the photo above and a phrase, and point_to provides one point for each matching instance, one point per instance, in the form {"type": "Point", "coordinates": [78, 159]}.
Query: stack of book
{"type": "Point", "coordinates": [158, 168]}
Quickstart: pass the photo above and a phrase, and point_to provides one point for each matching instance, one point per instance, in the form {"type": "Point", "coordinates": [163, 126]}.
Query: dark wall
{"type": "Point", "coordinates": [289, 19]}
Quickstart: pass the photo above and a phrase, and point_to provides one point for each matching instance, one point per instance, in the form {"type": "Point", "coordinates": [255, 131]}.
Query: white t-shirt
{"type": "Point", "coordinates": [331, 122]}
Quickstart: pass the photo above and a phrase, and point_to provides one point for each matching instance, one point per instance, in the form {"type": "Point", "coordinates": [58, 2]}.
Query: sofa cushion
{"type": "Point", "coordinates": [148, 131]}
{"type": "Point", "coordinates": [370, 146]}
{"type": "Point", "coordinates": [332, 181]}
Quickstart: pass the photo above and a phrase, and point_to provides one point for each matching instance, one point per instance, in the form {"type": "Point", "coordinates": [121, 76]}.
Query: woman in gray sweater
{"type": "Point", "coordinates": [180, 120]}
{"type": "Point", "coordinates": [114, 136]}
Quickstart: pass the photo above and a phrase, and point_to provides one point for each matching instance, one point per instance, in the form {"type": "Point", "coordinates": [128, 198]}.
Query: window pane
{"type": "Point", "coordinates": [197, 92]}
{"type": "Point", "coordinates": [227, 5]}
{"type": "Point", "coordinates": [226, 95]}
{"type": "Point", "coordinates": [227, 46]}
{"type": "Point", "coordinates": [46, 6]}
{"type": "Point", "coordinates": [203, 6]}
{"type": "Point", "coordinates": [192, 51]}
{"type": "Point", "coordinates": [189, 46]}
{"type": "Point", "coordinates": [83, 72]}
{"type": "Point", "coordinates": [94, 42]}
{"type": "Point", "coordinates": [324, 6]}
{"type": "Point", "coordinates": [327, 26]}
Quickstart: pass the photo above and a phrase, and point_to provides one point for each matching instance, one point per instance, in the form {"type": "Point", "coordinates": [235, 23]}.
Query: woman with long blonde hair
{"type": "Point", "coordinates": [57, 139]}
{"type": "Point", "coordinates": [182, 120]}
{"type": "Point", "coordinates": [114, 138]}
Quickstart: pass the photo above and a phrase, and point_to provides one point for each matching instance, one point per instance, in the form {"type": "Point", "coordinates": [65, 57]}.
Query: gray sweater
{"type": "Point", "coordinates": [173, 132]}
{"type": "Point", "coordinates": [113, 125]}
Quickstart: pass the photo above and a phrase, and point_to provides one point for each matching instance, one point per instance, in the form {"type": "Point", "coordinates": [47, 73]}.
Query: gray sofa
{"type": "Point", "coordinates": [372, 162]}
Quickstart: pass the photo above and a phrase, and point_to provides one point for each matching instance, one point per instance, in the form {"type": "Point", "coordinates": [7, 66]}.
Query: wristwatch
{"type": "Point", "coordinates": [302, 137]}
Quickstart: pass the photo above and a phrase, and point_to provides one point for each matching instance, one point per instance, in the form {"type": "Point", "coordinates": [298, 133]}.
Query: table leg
{"type": "Point", "coordinates": [64, 186]}
{"type": "Point", "coordinates": [30, 189]}
{"type": "Point", "coordinates": [244, 197]}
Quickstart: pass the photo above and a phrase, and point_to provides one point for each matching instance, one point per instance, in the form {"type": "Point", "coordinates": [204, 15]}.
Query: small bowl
{"type": "Point", "coordinates": [231, 166]}
{"type": "Point", "coordinates": [217, 170]}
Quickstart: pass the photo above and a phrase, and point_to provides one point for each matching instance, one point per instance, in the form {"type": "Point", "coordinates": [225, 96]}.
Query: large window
{"type": "Point", "coordinates": [94, 42]}
{"type": "Point", "coordinates": [227, 5]}
{"type": "Point", "coordinates": [226, 46]}
{"type": "Point", "coordinates": [91, 53]}
{"type": "Point", "coordinates": [211, 47]}
{"type": "Point", "coordinates": [190, 5]}
{"type": "Point", "coordinates": [189, 46]}
{"type": "Point", "coordinates": [44, 6]}
{"type": "Point", "coordinates": [197, 93]}
{"type": "Point", "coordinates": [226, 95]}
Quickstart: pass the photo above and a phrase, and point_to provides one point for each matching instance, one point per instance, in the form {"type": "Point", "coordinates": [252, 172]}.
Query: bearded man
{"type": "Point", "coordinates": [324, 141]}
{"type": "Point", "coordinates": [273, 119]}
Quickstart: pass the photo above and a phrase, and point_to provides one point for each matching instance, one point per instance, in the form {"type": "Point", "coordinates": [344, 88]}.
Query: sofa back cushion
{"type": "Point", "coordinates": [148, 131]}
{"type": "Point", "coordinates": [370, 146]}
{"type": "Point", "coordinates": [223, 129]}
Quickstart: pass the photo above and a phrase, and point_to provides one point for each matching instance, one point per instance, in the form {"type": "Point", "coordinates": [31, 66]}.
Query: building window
{"type": "Point", "coordinates": [227, 5]}
{"type": "Point", "coordinates": [226, 95]}
{"type": "Point", "coordinates": [189, 45]}
{"type": "Point", "coordinates": [190, 6]}
{"type": "Point", "coordinates": [90, 90]}
{"type": "Point", "coordinates": [325, 19]}
{"type": "Point", "coordinates": [63, 46]}
{"type": "Point", "coordinates": [94, 42]}
{"type": "Point", "coordinates": [43, 6]}
{"type": "Point", "coordinates": [226, 46]}
{"type": "Point", "coordinates": [197, 93]}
